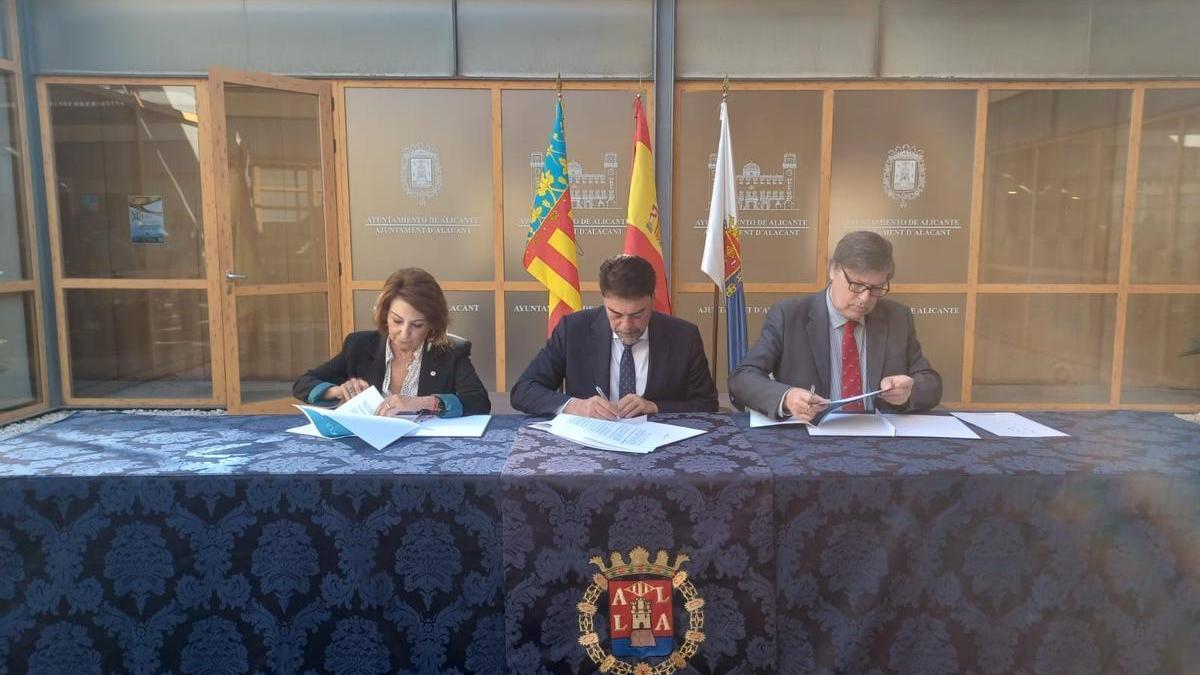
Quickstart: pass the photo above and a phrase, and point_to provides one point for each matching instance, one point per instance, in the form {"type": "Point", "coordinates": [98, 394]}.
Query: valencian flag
{"type": "Point", "coordinates": [722, 258]}
{"type": "Point", "coordinates": [550, 254]}
{"type": "Point", "coordinates": [643, 236]}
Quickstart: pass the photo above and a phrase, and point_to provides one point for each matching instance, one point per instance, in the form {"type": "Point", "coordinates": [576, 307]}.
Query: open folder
{"type": "Point", "coordinates": [620, 436]}
{"type": "Point", "coordinates": [357, 417]}
{"type": "Point", "coordinates": [876, 424]}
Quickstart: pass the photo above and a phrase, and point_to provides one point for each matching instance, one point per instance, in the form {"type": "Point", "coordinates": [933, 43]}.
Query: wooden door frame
{"type": "Point", "coordinates": [31, 285]}
{"type": "Point", "coordinates": [61, 283]}
{"type": "Point", "coordinates": [218, 162]}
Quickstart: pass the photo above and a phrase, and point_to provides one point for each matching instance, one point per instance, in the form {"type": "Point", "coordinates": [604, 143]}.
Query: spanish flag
{"type": "Point", "coordinates": [643, 236]}
{"type": "Point", "coordinates": [550, 254]}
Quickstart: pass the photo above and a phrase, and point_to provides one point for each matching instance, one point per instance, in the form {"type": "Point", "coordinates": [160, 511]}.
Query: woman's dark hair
{"type": "Point", "coordinates": [419, 289]}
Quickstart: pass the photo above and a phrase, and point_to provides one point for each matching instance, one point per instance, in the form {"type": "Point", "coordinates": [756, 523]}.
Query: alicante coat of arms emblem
{"type": "Point", "coordinates": [641, 614]}
{"type": "Point", "coordinates": [904, 174]}
{"type": "Point", "coordinates": [422, 172]}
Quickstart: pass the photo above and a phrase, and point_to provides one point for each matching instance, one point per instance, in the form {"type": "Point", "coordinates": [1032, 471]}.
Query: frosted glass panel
{"type": "Point", "coordinates": [776, 139]}
{"type": "Point", "coordinates": [1044, 348]}
{"type": "Point", "coordinates": [420, 182]}
{"type": "Point", "coordinates": [902, 167]}
{"type": "Point", "coordinates": [1054, 186]}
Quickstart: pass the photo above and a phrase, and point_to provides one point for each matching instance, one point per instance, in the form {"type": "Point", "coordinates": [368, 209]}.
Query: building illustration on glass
{"type": "Point", "coordinates": [588, 190]}
{"type": "Point", "coordinates": [757, 191]}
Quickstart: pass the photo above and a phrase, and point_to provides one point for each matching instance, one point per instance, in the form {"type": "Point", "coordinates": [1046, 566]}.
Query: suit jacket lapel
{"type": "Point", "coordinates": [659, 353]}
{"type": "Point", "coordinates": [378, 361]}
{"type": "Point", "coordinates": [877, 328]}
{"type": "Point", "coordinates": [818, 342]}
{"type": "Point", "coordinates": [600, 347]}
{"type": "Point", "coordinates": [432, 371]}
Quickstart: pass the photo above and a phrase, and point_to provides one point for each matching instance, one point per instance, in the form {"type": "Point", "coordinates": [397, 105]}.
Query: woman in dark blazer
{"type": "Point", "coordinates": [411, 358]}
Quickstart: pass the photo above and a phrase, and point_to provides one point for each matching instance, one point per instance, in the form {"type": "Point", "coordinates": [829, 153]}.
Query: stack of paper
{"type": "Point", "coordinates": [357, 417]}
{"type": "Point", "coordinates": [620, 436]}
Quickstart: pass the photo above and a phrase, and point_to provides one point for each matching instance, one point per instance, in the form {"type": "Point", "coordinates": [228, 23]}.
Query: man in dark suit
{"type": "Point", "coordinates": [620, 360]}
{"type": "Point", "coordinates": [832, 344]}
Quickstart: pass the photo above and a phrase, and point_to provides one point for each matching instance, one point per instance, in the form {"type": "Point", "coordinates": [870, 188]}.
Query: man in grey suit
{"type": "Point", "coordinates": [832, 344]}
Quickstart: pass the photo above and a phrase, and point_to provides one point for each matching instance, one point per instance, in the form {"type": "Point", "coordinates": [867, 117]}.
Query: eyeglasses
{"type": "Point", "coordinates": [857, 287]}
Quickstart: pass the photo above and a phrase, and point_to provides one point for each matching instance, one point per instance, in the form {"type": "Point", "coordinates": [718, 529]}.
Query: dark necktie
{"type": "Point", "coordinates": [851, 373]}
{"type": "Point", "coordinates": [627, 383]}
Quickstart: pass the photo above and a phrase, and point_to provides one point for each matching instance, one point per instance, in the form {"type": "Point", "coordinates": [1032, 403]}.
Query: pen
{"type": "Point", "coordinates": [601, 392]}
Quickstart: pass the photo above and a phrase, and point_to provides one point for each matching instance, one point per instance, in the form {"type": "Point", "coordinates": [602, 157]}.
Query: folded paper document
{"type": "Point", "coordinates": [867, 424]}
{"type": "Point", "coordinates": [357, 417]}
{"type": "Point", "coordinates": [620, 436]}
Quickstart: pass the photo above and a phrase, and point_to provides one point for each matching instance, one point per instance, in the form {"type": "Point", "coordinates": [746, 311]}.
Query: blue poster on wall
{"type": "Point", "coordinates": [146, 224]}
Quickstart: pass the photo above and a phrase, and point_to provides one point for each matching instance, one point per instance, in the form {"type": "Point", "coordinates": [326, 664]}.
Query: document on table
{"type": "Point", "coordinates": [758, 419]}
{"type": "Point", "coordinates": [471, 426]}
{"type": "Point", "coordinates": [1008, 424]}
{"type": "Point", "coordinates": [620, 436]}
{"type": "Point", "coordinates": [853, 424]}
{"type": "Point", "coordinates": [930, 426]}
{"type": "Point", "coordinates": [357, 417]}
{"type": "Point", "coordinates": [834, 406]}
{"type": "Point", "coordinates": [920, 426]}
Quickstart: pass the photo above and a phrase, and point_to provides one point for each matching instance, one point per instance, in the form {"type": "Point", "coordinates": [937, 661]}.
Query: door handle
{"type": "Point", "coordinates": [234, 276]}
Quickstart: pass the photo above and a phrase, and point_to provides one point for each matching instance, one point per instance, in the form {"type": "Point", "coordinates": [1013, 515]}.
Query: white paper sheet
{"type": "Point", "coordinates": [930, 426]}
{"type": "Point", "coordinates": [617, 436]}
{"type": "Point", "coordinates": [853, 424]}
{"type": "Point", "coordinates": [833, 406]}
{"type": "Point", "coordinates": [307, 430]}
{"type": "Point", "coordinates": [357, 416]}
{"type": "Point", "coordinates": [471, 426]}
{"type": "Point", "coordinates": [758, 419]}
{"type": "Point", "coordinates": [1008, 424]}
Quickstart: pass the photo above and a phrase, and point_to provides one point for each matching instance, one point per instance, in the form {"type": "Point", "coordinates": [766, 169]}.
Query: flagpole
{"type": "Point", "coordinates": [716, 306]}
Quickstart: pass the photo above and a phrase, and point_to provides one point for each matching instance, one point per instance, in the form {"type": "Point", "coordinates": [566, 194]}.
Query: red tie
{"type": "Point", "coordinates": [851, 373]}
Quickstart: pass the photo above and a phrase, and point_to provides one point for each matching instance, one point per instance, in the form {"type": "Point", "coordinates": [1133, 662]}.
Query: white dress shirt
{"type": "Point", "coordinates": [641, 364]}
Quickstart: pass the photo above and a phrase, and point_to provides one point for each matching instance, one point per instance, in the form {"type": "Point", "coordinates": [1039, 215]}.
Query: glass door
{"type": "Point", "coordinates": [274, 176]}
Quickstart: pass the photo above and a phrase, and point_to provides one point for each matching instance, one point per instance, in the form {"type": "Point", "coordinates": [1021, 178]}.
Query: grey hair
{"type": "Point", "coordinates": [865, 251]}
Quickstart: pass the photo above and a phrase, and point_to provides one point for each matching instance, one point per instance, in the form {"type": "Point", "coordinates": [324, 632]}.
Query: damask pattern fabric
{"type": "Point", "coordinates": [1065, 555]}
{"type": "Point", "coordinates": [228, 546]}
{"type": "Point", "coordinates": [225, 545]}
{"type": "Point", "coordinates": [708, 497]}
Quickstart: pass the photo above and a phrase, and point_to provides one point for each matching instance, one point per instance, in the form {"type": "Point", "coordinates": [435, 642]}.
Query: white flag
{"type": "Point", "coordinates": [723, 205]}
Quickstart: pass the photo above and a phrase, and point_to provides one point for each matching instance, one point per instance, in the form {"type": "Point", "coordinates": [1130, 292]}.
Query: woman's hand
{"type": "Point", "coordinates": [395, 404]}
{"type": "Point", "coordinates": [347, 390]}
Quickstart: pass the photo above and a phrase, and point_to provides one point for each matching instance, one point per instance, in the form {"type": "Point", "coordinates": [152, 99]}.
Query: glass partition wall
{"type": "Point", "coordinates": [22, 354]}
{"type": "Point", "coordinates": [1046, 234]}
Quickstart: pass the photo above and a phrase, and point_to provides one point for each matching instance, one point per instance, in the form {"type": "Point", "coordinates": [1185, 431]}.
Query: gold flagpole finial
{"type": "Point", "coordinates": [558, 85]}
{"type": "Point", "coordinates": [639, 89]}
{"type": "Point", "coordinates": [725, 89]}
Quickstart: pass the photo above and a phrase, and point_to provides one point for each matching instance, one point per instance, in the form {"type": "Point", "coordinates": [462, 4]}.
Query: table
{"type": "Point", "coordinates": [225, 545]}
{"type": "Point", "coordinates": [147, 544]}
{"type": "Point", "coordinates": [1062, 555]}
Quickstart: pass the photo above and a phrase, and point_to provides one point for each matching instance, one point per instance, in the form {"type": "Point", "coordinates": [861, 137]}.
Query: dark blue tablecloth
{"type": "Point", "coordinates": [708, 497]}
{"type": "Point", "coordinates": [223, 545]}
{"type": "Point", "coordinates": [999, 555]}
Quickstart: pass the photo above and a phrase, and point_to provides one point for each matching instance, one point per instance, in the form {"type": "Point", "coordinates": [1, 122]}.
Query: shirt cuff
{"type": "Point", "coordinates": [781, 412]}
{"type": "Point", "coordinates": [563, 407]}
{"type": "Point", "coordinates": [451, 405]}
{"type": "Point", "coordinates": [315, 394]}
